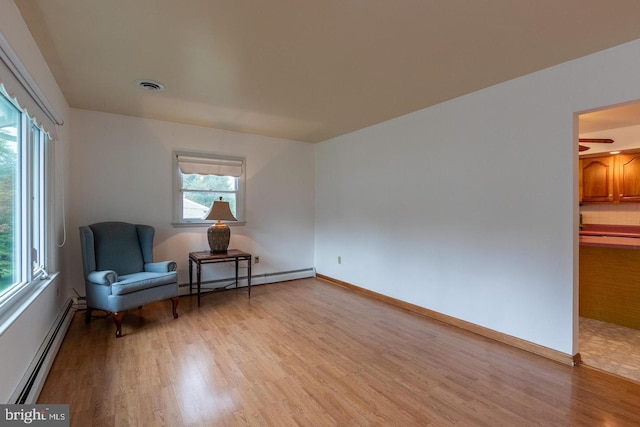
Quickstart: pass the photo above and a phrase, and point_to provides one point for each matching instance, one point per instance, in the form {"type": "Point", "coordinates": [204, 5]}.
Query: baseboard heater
{"type": "Point", "coordinates": [258, 279]}
{"type": "Point", "coordinates": [31, 384]}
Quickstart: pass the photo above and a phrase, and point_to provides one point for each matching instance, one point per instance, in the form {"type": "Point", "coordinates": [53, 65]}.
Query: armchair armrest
{"type": "Point", "coordinates": [160, 267]}
{"type": "Point", "coordinates": [104, 277]}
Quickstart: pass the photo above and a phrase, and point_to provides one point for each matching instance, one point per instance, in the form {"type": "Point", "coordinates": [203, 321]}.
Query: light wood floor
{"type": "Point", "coordinates": [313, 354]}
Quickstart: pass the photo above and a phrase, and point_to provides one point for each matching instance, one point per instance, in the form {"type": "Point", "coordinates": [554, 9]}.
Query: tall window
{"type": "Point", "coordinates": [22, 200]}
{"type": "Point", "coordinates": [203, 178]}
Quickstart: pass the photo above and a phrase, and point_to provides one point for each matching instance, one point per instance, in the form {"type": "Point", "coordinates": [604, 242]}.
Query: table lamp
{"type": "Point", "coordinates": [219, 234]}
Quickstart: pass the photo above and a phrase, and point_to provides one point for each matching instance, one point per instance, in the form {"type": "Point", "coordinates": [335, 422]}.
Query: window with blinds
{"type": "Point", "coordinates": [202, 178]}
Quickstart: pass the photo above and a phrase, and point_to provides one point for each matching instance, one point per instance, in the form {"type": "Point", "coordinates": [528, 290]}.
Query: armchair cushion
{"type": "Point", "coordinates": [129, 283]}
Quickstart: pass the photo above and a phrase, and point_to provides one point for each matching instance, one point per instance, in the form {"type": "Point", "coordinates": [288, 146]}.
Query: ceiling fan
{"type": "Point", "coordinates": [589, 140]}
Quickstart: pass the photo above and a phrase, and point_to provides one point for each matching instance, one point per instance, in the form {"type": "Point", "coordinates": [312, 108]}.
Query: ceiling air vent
{"type": "Point", "coordinates": [150, 85]}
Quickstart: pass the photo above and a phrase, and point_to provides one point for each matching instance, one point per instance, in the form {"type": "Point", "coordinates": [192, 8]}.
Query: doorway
{"type": "Point", "coordinates": [606, 344]}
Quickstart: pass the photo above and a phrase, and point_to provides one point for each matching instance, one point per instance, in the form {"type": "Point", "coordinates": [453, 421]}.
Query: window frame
{"type": "Point", "coordinates": [178, 220]}
{"type": "Point", "coordinates": [31, 236]}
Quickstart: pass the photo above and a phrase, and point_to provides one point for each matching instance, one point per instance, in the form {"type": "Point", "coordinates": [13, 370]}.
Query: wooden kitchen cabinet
{"type": "Point", "coordinates": [610, 178]}
{"type": "Point", "coordinates": [596, 179]}
{"type": "Point", "coordinates": [627, 177]}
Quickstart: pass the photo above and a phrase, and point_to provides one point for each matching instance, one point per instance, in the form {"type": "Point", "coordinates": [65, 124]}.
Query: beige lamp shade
{"type": "Point", "coordinates": [219, 234]}
{"type": "Point", "coordinates": [220, 211]}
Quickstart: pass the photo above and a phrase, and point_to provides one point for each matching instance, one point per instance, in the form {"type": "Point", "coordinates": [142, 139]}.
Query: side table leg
{"type": "Point", "coordinates": [237, 262]}
{"type": "Point", "coordinates": [249, 275]}
{"type": "Point", "coordinates": [198, 267]}
{"type": "Point", "coordinates": [190, 277]}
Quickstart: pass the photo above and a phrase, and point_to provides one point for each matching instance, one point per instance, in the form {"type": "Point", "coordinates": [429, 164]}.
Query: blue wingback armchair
{"type": "Point", "coordinates": [119, 271]}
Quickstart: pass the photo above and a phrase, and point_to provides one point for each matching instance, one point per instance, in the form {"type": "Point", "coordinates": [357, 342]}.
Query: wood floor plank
{"type": "Point", "coordinates": [306, 353]}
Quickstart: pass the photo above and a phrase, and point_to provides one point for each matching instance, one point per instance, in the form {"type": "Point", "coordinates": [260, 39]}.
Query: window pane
{"type": "Point", "coordinates": [209, 182]}
{"type": "Point", "coordinates": [195, 205]}
{"type": "Point", "coordinates": [9, 172]}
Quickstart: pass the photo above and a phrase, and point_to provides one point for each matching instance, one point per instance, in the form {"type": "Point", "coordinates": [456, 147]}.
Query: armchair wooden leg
{"type": "Point", "coordinates": [117, 318]}
{"type": "Point", "coordinates": [174, 305]}
{"type": "Point", "coordinates": [87, 315]}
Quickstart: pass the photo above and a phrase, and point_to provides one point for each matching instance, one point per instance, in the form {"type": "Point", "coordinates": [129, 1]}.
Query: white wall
{"type": "Point", "coordinates": [469, 208]}
{"type": "Point", "coordinates": [19, 343]}
{"type": "Point", "coordinates": [122, 170]}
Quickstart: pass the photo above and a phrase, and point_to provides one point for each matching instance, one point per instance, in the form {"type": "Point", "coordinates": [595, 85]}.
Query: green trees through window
{"type": "Point", "coordinates": [9, 127]}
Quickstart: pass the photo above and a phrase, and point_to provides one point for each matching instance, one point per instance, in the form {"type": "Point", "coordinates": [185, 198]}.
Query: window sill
{"type": "Point", "coordinates": [21, 300]}
{"type": "Point", "coordinates": [205, 224]}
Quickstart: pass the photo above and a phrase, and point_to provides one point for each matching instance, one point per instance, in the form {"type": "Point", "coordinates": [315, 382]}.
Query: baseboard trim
{"type": "Point", "coordinates": [281, 276]}
{"type": "Point", "coordinates": [521, 344]}
{"type": "Point", "coordinates": [256, 279]}
{"type": "Point", "coordinates": [33, 380]}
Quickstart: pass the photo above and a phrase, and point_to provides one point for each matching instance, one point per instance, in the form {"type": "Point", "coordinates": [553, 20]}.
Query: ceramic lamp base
{"type": "Point", "coordinates": [218, 236]}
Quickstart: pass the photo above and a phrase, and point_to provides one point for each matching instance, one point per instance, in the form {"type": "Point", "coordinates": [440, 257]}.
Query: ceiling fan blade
{"type": "Point", "coordinates": [583, 148]}
{"type": "Point", "coordinates": [599, 140]}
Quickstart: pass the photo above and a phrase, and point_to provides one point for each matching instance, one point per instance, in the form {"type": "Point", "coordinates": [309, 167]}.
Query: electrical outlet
{"type": "Point", "coordinates": [257, 259]}
{"type": "Point", "coordinates": [339, 260]}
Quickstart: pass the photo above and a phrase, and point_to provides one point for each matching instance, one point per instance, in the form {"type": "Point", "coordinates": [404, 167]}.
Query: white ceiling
{"type": "Point", "coordinates": [307, 70]}
{"type": "Point", "coordinates": [610, 118]}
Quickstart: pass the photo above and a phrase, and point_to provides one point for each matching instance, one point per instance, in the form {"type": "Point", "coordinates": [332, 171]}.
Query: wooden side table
{"type": "Point", "coordinates": [206, 257]}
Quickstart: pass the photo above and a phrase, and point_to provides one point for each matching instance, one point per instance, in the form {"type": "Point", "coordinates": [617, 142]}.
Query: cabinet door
{"type": "Point", "coordinates": [596, 179]}
{"type": "Point", "coordinates": [628, 177]}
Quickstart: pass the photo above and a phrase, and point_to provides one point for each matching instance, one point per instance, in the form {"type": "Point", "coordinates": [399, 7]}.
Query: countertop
{"type": "Point", "coordinates": [611, 236]}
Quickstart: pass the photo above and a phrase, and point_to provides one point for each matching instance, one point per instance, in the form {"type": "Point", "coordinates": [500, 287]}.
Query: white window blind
{"type": "Point", "coordinates": [210, 166]}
